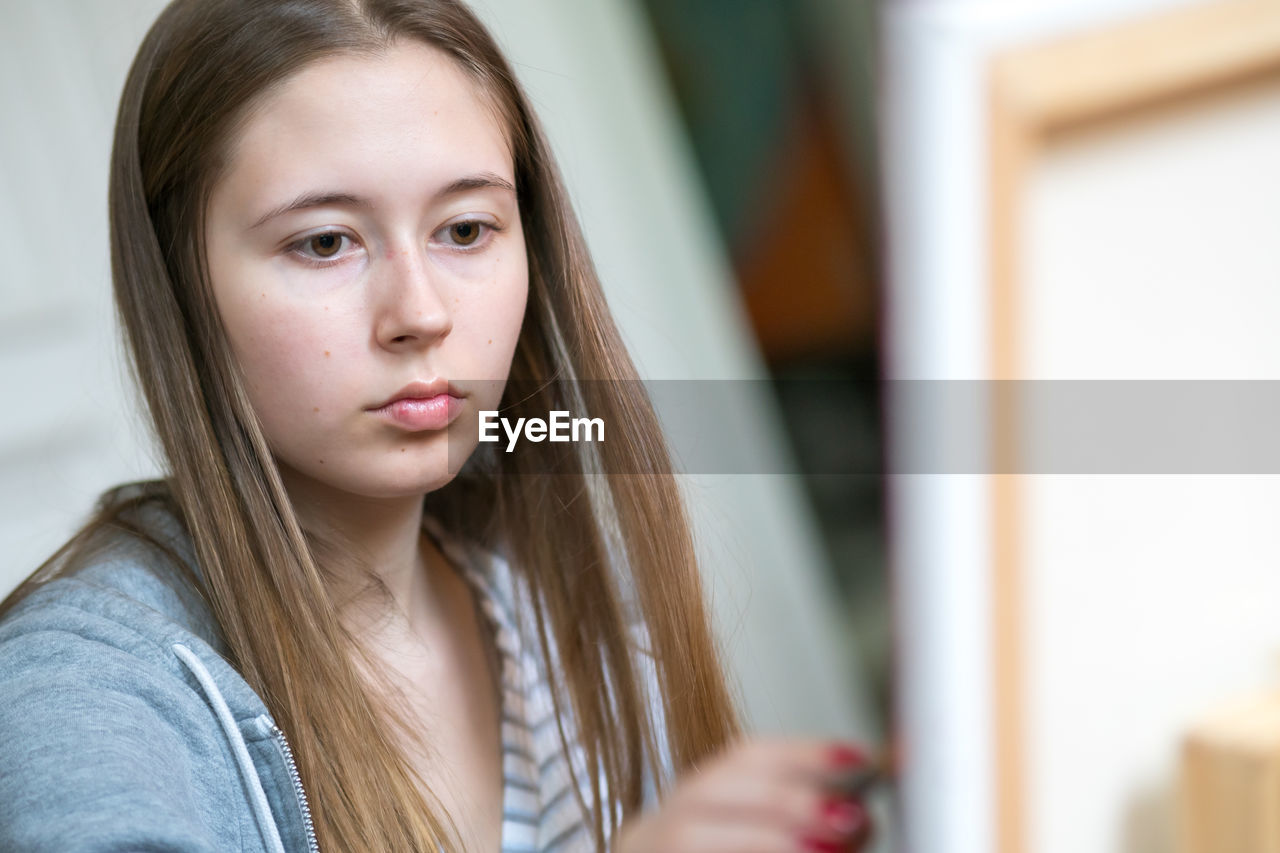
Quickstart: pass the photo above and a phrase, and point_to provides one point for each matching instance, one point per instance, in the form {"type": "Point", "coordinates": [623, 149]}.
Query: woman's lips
{"type": "Point", "coordinates": [422, 413]}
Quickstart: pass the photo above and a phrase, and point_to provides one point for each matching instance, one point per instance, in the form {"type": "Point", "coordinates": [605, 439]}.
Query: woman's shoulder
{"type": "Point", "coordinates": [111, 617]}
{"type": "Point", "coordinates": [128, 585]}
{"type": "Point", "coordinates": [113, 690]}
{"type": "Point", "coordinates": [112, 621]}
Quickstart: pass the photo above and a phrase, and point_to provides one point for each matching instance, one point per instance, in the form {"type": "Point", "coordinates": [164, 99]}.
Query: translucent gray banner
{"type": "Point", "coordinates": [710, 427]}
{"type": "Point", "coordinates": [927, 427]}
{"type": "Point", "coordinates": [1084, 427]}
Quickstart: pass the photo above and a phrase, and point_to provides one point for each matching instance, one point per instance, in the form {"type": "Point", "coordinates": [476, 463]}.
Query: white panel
{"type": "Point", "coordinates": [1151, 247]}
{"type": "Point", "coordinates": [933, 143]}
{"type": "Point", "coordinates": [1151, 254]}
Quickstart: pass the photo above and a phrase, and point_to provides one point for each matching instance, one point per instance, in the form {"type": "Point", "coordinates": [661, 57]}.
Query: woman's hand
{"type": "Point", "coordinates": [758, 795]}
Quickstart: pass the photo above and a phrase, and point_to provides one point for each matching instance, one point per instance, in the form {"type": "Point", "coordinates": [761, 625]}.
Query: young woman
{"type": "Point", "coordinates": [338, 236]}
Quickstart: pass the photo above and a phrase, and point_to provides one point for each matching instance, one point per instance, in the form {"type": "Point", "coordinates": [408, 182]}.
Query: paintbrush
{"type": "Point", "coordinates": [857, 781]}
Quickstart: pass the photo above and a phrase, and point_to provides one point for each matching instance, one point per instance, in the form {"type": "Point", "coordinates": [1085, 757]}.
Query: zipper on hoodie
{"type": "Point", "coordinates": [312, 845]}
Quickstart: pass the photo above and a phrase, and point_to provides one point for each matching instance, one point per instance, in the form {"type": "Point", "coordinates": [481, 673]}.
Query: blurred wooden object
{"type": "Point", "coordinates": [1229, 785]}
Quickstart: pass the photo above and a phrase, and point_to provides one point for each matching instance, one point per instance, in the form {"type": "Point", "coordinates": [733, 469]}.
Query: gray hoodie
{"type": "Point", "coordinates": [124, 727]}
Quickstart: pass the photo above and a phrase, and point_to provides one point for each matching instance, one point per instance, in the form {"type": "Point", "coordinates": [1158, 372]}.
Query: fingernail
{"type": "Point", "coordinates": [821, 845]}
{"type": "Point", "coordinates": [843, 817]}
{"type": "Point", "coordinates": [844, 755]}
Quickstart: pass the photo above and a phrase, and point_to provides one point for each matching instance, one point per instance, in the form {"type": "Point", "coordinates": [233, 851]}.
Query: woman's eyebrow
{"type": "Point", "coordinates": [481, 180]}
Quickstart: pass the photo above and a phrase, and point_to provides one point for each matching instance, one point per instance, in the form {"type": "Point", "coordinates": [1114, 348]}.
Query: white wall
{"type": "Point", "coordinates": [67, 431]}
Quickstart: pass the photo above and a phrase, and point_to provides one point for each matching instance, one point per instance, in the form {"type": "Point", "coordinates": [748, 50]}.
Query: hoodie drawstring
{"type": "Point", "coordinates": [257, 797]}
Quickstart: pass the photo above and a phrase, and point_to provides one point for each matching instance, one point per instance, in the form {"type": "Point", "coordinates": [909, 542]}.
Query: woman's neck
{"type": "Point", "coordinates": [385, 537]}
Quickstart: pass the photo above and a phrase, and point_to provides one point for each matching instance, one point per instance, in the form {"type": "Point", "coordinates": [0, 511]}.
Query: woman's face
{"type": "Point", "coordinates": [367, 237]}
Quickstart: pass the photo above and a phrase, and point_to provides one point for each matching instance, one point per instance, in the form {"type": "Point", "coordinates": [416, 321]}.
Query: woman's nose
{"type": "Point", "coordinates": [412, 306]}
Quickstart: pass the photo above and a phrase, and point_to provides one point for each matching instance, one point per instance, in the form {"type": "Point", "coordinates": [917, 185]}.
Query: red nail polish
{"type": "Point", "coordinates": [843, 755]}
{"type": "Point", "coordinates": [843, 817]}
{"type": "Point", "coordinates": [821, 845]}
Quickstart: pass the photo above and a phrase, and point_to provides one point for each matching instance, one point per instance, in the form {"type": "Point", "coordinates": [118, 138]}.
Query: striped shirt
{"type": "Point", "coordinates": [540, 814]}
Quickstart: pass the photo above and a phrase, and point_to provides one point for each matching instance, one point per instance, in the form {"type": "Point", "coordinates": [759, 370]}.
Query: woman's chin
{"type": "Point", "coordinates": [371, 480]}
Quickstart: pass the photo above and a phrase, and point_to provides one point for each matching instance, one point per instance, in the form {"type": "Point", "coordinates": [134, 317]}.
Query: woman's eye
{"type": "Point", "coordinates": [325, 246]}
{"type": "Point", "coordinates": [466, 234]}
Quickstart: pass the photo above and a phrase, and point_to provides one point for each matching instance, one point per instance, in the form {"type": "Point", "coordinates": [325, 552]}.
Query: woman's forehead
{"type": "Point", "coordinates": [405, 121]}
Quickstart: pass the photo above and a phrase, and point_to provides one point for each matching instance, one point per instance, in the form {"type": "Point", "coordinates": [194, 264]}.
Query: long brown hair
{"type": "Point", "coordinates": [591, 547]}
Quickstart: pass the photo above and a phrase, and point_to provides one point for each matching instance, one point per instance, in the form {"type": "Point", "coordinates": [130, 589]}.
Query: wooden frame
{"type": "Point", "coordinates": [1037, 92]}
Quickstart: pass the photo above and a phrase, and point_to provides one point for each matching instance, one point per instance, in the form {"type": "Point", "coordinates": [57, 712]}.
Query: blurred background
{"type": "Point", "coordinates": [910, 219]}
{"type": "Point", "coordinates": [777, 98]}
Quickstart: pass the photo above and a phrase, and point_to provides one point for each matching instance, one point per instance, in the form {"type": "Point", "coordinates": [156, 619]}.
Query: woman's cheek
{"type": "Point", "coordinates": [485, 328]}
{"type": "Point", "coordinates": [506, 300]}
{"type": "Point", "coordinates": [289, 376]}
